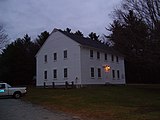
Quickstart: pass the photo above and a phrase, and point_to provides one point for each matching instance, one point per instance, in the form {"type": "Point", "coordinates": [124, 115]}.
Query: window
{"type": "Point", "coordinates": [55, 56]}
{"type": "Point", "coordinates": [54, 73]}
{"type": "Point", "coordinates": [2, 86]}
{"type": "Point", "coordinates": [92, 72]}
{"type": "Point", "coordinates": [91, 53]}
{"type": "Point", "coordinates": [98, 55]}
{"type": "Point", "coordinates": [113, 74]}
{"type": "Point", "coordinates": [99, 72]}
{"type": "Point", "coordinates": [65, 73]}
{"type": "Point", "coordinates": [118, 74]}
{"type": "Point", "coordinates": [65, 54]}
{"type": "Point", "coordinates": [105, 56]}
{"type": "Point", "coordinates": [45, 58]}
{"type": "Point", "coordinates": [112, 57]}
{"type": "Point", "coordinates": [45, 75]}
{"type": "Point", "coordinates": [117, 59]}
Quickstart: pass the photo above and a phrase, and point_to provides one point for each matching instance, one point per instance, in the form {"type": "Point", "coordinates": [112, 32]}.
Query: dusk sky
{"type": "Point", "coordinates": [19, 17]}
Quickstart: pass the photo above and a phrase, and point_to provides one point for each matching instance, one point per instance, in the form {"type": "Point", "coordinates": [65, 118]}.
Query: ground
{"type": "Point", "coordinates": [13, 109]}
{"type": "Point", "coordinates": [128, 102]}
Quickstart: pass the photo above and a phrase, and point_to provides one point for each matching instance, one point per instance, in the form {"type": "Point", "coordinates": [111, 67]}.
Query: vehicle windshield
{"type": "Point", "coordinates": [8, 86]}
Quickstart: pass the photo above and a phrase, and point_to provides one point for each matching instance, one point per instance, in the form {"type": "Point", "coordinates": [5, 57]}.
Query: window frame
{"type": "Point", "coordinates": [45, 58]}
{"type": "Point", "coordinates": [98, 55]}
{"type": "Point", "coordinates": [113, 74]}
{"type": "Point", "coordinates": [45, 75]}
{"type": "Point", "coordinates": [65, 54]}
{"type": "Point", "coordinates": [99, 72]}
{"type": "Point", "coordinates": [92, 73]}
{"type": "Point", "coordinates": [112, 58]}
{"type": "Point", "coordinates": [118, 74]}
{"type": "Point", "coordinates": [105, 56]}
{"type": "Point", "coordinates": [91, 54]}
{"type": "Point", "coordinates": [2, 86]}
{"type": "Point", "coordinates": [65, 72]}
{"type": "Point", "coordinates": [117, 59]}
{"type": "Point", "coordinates": [55, 56]}
{"type": "Point", "coordinates": [54, 73]}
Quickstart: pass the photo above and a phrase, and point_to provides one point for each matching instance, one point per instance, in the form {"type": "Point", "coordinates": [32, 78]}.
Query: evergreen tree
{"type": "Point", "coordinates": [18, 62]}
{"type": "Point", "coordinates": [79, 33]}
{"type": "Point", "coordinates": [3, 38]}
{"type": "Point", "coordinates": [93, 36]}
{"type": "Point", "coordinates": [41, 38]}
{"type": "Point", "coordinates": [132, 38]}
{"type": "Point", "coordinates": [68, 30]}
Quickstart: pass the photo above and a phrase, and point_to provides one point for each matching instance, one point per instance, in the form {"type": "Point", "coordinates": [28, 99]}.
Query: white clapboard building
{"type": "Point", "coordinates": [68, 57]}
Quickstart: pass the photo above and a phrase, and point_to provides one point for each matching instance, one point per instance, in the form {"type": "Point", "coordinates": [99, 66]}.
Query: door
{"type": "Point", "coordinates": [3, 90]}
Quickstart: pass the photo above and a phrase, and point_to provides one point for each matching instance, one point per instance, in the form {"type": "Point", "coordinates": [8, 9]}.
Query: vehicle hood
{"type": "Point", "coordinates": [17, 88]}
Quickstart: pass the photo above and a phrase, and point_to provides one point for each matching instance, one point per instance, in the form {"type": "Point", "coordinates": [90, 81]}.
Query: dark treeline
{"type": "Point", "coordinates": [17, 60]}
{"type": "Point", "coordinates": [135, 32]}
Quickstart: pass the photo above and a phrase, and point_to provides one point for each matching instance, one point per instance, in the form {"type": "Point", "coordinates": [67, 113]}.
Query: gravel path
{"type": "Point", "coordinates": [13, 109]}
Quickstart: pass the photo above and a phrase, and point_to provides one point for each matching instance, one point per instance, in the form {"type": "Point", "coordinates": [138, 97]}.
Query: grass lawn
{"type": "Point", "coordinates": [130, 102]}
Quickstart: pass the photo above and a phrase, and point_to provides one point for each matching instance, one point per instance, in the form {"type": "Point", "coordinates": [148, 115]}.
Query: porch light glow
{"type": "Point", "coordinates": [107, 68]}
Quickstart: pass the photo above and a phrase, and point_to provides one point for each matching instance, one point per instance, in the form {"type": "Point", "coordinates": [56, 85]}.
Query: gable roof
{"type": "Point", "coordinates": [89, 42]}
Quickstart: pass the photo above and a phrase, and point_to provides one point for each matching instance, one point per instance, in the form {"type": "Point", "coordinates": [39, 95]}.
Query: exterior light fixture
{"type": "Point", "coordinates": [107, 68]}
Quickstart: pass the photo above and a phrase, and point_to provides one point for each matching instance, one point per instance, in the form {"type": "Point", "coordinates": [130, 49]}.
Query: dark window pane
{"type": "Point", "coordinates": [112, 57]}
{"type": "Point", "coordinates": [65, 54]}
{"type": "Point", "coordinates": [98, 55]}
{"type": "Point", "coordinates": [45, 58]}
{"type": "Point", "coordinates": [92, 72]}
{"type": "Point", "coordinates": [118, 74]}
{"type": "Point", "coordinates": [65, 73]}
{"type": "Point", "coordinates": [117, 59]}
{"type": "Point", "coordinates": [91, 53]}
{"type": "Point", "coordinates": [99, 72]}
{"type": "Point", "coordinates": [105, 56]}
{"type": "Point", "coordinates": [54, 73]}
{"type": "Point", "coordinates": [113, 73]}
{"type": "Point", "coordinates": [45, 74]}
{"type": "Point", "coordinates": [55, 56]}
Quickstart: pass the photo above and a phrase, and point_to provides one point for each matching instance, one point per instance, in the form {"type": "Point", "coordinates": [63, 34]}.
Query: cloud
{"type": "Point", "coordinates": [31, 16]}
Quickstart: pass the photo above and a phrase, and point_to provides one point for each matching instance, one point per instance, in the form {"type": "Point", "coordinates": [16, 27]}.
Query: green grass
{"type": "Point", "coordinates": [131, 102]}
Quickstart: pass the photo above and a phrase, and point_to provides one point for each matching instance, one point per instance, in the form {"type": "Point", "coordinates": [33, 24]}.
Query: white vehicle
{"type": "Point", "coordinates": [7, 90]}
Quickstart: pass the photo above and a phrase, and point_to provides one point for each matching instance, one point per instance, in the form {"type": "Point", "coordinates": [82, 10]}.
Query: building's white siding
{"type": "Point", "coordinates": [78, 63]}
{"type": "Point", "coordinates": [106, 77]}
{"type": "Point", "coordinates": [57, 43]}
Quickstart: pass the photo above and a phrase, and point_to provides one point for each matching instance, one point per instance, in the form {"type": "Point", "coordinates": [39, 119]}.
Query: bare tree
{"type": "Point", "coordinates": [148, 10]}
{"type": "Point", "coordinates": [3, 38]}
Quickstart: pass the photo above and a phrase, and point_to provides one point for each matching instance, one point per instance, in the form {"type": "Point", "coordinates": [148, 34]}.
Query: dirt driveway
{"type": "Point", "coordinates": [13, 109]}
